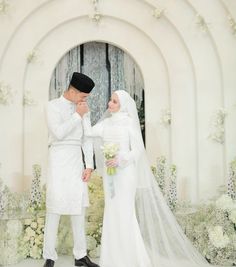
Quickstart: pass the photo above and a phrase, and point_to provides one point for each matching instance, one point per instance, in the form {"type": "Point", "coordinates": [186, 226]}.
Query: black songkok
{"type": "Point", "coordinates": [82, 82]}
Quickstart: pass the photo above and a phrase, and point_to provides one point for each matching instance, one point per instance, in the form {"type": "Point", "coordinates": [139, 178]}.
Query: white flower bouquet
{"type": "Point", "coordinates": [110, 152]}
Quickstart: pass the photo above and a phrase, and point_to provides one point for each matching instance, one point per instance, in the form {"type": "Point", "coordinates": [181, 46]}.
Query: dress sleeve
{"type": "Point", "coordinates": [92, 131]}
{"type": "Point", "coordinates": [58, 128]}
{"type": "Point", "coordinates": [136, 147]}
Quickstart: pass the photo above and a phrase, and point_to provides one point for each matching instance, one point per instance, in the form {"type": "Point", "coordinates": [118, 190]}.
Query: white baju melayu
{"type": "Point", "coordinates": [66, 192]}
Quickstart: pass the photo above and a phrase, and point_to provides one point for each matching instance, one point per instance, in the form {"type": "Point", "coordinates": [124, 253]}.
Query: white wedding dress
{"type": "Point", "coordinates": [122, 244]}
{"type": "Point", "coordinates": [153, 238]}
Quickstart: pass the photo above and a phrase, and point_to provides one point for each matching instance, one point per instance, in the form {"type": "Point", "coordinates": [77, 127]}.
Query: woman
{"type": "Point", "coordinates": [155, 239]}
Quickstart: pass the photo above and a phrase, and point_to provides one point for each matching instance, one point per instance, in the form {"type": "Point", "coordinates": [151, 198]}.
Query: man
{"type": "Point", "coordinates": [67, 191]}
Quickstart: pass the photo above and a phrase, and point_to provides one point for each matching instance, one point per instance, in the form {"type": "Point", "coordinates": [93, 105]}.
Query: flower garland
{"type": "Point", "coordinates": [4, 6]}
{"type": "Point", "coordinates": [96, 16]}
{"type": "Point", "coordinates": [158, 12]}
{"type": "Point", "coordinates": [36, 191]}
{"type": "Point", "coordinates": [232, 24]}
{"type": "Point", "coordinates": [201, 23]}
{"type": "Point", "coordinates": [218, 132]}
{"type": "Point", "coordinates": [231, 190]}
{"type": "Point", "coordinates": [28, 99]}
{"type": "Point", "coordinates": [160, 173]}
{"type": "Point", "coordinates": [32, 56]}
{"type": "Point", "coordinates": [165, 117]}
{"type": "Point", "coordinates": [172, 190]}
{"type": "Point", "coordinates": [6, 94]}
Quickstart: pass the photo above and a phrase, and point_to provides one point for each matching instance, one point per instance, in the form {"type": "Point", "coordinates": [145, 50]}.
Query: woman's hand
{"type": "Point", "coordinates": [82, 108]}
{"type": "Point", "coordinates": [112, 162]}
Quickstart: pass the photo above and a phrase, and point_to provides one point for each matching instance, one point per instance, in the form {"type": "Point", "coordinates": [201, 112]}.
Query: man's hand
{"type": "Point", "coordinates": [82, 108]}
{"type": "Point", "coordinates": [86, 174]}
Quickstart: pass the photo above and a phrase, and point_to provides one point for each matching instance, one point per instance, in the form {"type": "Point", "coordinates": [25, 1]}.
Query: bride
{"type": "Point", "coordinates": [139, 230]}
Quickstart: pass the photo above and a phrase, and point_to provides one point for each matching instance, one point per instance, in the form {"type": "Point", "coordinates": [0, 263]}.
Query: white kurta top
{"type": "Point", "coordinates": [66, 192]}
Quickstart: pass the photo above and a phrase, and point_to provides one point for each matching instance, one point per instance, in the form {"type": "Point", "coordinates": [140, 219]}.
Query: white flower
{"type": "Point", "coordinates": [40, 237]}
{"type": "Point", "coordinates": [200, 21]}
{"type": "Point", "coordinates": [38, 241]}
{"type": "Point", "coordinates": [165, 117]}
{"type": "Point", "coordinates": [40, 221]}
{"type": "Point", "coordinates": [30, 232]}
{"type": "Point", "coordinates": [33, 225]}
{"type": "Point", "coordinates": [110, 150]}
{"type": "Point", "coordinates": [158, 13]}
{"type": "Point", "coordinates": [217, 237]}
{"type": "Point", "coordinates": [4, 6]}
{"type": "Point", "coordinates": [232, 24]}
{"type": "Point", "coordinates": [28, 99]}
{"type": "Point", "coordinates": [6, 94]}
{"type": "Point", "coordinates": [32, 56]}
{"type": "Point", "coordinates": [225, 203]}
{"type": "Point", "coordinates": [218, 120]}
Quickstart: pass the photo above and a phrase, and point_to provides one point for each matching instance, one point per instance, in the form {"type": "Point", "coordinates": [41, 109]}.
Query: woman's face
{"type": "Point", "coordinates": [114, 103]}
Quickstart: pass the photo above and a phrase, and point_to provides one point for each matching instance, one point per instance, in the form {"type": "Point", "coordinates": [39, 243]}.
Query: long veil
{"type": "Point", "coordinates": [164, 239]}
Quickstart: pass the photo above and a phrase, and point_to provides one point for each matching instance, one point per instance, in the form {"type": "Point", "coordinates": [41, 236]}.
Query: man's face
{"type": "Point", "coordinates": [77, 96]}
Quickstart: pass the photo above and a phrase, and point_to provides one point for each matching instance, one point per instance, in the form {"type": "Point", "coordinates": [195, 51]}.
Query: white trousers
{"type": "Point", "coordinates": [50, 235]}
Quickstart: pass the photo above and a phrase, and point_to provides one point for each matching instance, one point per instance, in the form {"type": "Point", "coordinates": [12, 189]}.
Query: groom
{"type": "Point", "coordinates": [67, 192]}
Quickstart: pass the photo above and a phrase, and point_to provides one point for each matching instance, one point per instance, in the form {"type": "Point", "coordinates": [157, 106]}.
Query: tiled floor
{"type": "Point", "coordinates": [63, 261]}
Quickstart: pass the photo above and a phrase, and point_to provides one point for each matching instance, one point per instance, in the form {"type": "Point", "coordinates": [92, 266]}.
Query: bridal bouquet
{"type": "Point", "coordinates": [110, 152]}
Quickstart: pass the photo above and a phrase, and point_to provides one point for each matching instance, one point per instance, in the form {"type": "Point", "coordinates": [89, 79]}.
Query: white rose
{"type": "Point", "coordinates": [40, 221]}
{"type": "Point", "coordinates": [34, 225]}
{"type": "Point", "coordinates": [41, 237]}
{"type": "Point", "coordinates": [38, 241]}
{"type": "Point", "coordinates": [29, 231]}
{"type": "Point", "coordinates": [38, 231]}
{"type": "Point", "coordinates": [217, 237]}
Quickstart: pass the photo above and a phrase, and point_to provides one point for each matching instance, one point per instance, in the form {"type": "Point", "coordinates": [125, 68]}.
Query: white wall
{"type": "Point", "coordinates": [189, 71]}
